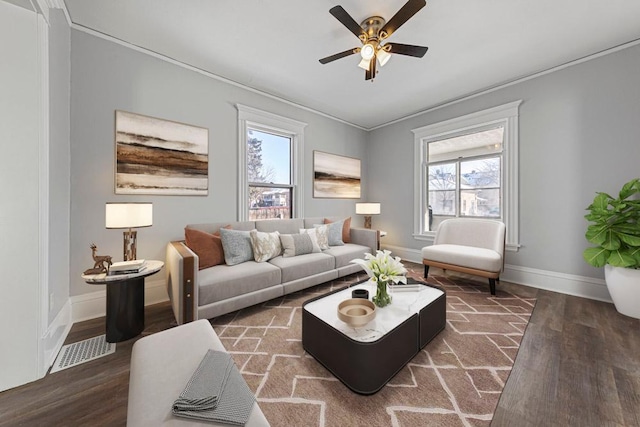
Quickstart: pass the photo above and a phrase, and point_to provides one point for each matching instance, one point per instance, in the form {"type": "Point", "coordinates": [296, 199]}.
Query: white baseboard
{"type": "Point", "coordinates": [570, 284]}
{"type": "Point", "coordinates": [92, 305]}
{"type": "Point", "coordinates": [55, 335]}
{"type": "Point", "coordinates": [581, 286]}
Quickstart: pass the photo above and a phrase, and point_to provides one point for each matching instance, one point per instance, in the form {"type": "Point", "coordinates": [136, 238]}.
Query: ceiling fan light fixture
{"type": "Point", "coordinates": [372, 32]}
{"type": "Point", "coordinates": [383, 56]}
{"type": "Point", "coordinates": [367, 51]}
{"type": "Point", "coordinates": [364, 64]}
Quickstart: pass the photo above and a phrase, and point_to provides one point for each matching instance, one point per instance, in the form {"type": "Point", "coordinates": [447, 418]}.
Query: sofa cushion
{"type": "Point", "coordinates": [297, 244]}
{"type": "Point", "coordinates": [265, 245]}
{"type": "Point", "coordinates": [344, 254]}
{"type": "Point", "coordinates": [284, 226]}
{"type": "Point", "coordinates": [334, 233]}
{"type": "Point", "coordinates": [236, 245]}
{"type": "Point", "coordinates": [294, 268]}
{"type": "Point", "coordinates": [207, 246]}
{"type": "Point", "coordinates": [227, 281]}
{"type": "Point", "coordinates": [214, 227]}
{"type": "Point", "coordinates": [346, 228]}
{"type": "Point", "coordinates": [318, 237]}
{"type": "Point", "coordinates": [467, 256]}
{"type": "Point", "coordinates": [311, 222]}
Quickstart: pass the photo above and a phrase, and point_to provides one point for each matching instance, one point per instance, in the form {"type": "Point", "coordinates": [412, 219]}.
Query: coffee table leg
{"type": "Point", "coordinates": [125, 309]}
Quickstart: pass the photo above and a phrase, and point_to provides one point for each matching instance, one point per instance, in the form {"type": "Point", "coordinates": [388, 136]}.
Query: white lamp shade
{"type": "Point", "coordinates": [128, 215]}
{"type": "Point", "coordinates": [383, 57]}
{"type": "Point", "coordinates": [364, 64]}
{"type": "Point", "coordinates": [368, 208]}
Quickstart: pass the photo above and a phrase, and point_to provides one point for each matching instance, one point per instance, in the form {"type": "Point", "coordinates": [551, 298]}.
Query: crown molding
{"type": "Point", "coordinates": [485, 91]}
{"type": "Point", "coordinates": [60, 4]}
{"type": "Point", "coordinates": [206, 73]}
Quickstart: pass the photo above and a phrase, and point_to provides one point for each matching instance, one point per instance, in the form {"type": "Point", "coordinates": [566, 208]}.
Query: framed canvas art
{"type": "Point", "coordinates": [156, 156]}
{"type": "Point", "coordinates": [335, 177]}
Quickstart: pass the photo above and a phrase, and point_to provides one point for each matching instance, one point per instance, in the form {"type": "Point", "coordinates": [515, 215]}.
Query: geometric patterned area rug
{"type": "Point", "coordinates": [456, 380]}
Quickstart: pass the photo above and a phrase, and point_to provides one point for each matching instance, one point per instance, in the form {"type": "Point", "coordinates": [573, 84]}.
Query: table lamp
{"type": "Point", "coordinates": [129, 215]}
{"type": "Point", "coordinates": [367, 209]}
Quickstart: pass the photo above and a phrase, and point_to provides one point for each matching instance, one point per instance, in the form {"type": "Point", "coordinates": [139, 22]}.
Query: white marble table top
{"type": "Point", "coordinates": [151, 266]}
{"type": "Point", "coordinates": [407, 300]}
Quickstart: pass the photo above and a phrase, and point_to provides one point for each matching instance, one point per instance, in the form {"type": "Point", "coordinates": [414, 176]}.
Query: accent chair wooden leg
{"type": "Point", "coordinates": [426, 271]}
{"type": "Point", "coordinates": [492, 286]}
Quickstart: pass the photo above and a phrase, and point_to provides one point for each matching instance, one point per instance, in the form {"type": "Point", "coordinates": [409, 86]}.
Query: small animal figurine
{"type": "Point", "coordinates": [99, 262]}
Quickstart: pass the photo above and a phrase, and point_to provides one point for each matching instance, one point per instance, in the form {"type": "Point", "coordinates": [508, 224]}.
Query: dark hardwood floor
{"type": "Point", "coordinates": [91, 394]}
{"type": "Point", "coordinates": [578, 365]}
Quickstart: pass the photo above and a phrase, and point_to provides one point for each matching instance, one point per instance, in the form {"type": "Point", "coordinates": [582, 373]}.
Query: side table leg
{"type": "Point", "coordinates": [125, 309]}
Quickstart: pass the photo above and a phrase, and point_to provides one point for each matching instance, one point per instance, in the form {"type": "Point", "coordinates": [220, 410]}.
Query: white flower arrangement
{"type": "Point", "coordinates": [383, 267]}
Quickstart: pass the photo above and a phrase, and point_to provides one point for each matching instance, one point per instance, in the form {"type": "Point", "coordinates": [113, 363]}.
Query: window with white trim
{"type": "Point", "coordinates": [270, 165]}
{"type": "Point", "coordinates": [467, 167]}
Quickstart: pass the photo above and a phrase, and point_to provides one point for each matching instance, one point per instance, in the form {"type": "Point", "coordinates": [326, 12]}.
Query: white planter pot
{"type": "Point", "coordinates": [624, 287]}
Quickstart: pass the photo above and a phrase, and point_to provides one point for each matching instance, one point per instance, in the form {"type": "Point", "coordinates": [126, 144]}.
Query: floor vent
{"type": "Point", "coordinates": [83, 351]}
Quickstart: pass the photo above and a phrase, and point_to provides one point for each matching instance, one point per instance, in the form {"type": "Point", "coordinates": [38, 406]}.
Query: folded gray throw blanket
{"type": "Point", "coordinates": [216, 392]}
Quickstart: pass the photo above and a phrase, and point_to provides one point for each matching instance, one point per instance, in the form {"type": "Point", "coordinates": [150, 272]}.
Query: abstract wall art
{"type": "Point", "coordinates": [336, 177]}
{"type": "Point", "coordinates": [155, 156]}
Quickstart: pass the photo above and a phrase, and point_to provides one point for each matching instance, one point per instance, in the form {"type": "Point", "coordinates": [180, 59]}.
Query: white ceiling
{"type": "Point", "coordinates": [274, 45]}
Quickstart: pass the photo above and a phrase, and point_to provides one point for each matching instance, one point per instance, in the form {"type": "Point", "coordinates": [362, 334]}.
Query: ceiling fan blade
{"type": "Point", "coordinates": [407, 49]}
{"type": "Point", "coordinates": [338, 55]}
{"type": "Point", "coordinates": [371, 71]}
{"type": "Point", "coordinates": [341, 15]}
{"type": "Point", "coordinates": [407, 11]}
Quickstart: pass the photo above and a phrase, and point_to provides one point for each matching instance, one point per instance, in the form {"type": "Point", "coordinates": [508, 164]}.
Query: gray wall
{"type": "Point", "coordinates": [579, 132]}
{"type": "Point", "coordinates": [59, 160]}
{"type": "Point", "coordinates": [106, 77]}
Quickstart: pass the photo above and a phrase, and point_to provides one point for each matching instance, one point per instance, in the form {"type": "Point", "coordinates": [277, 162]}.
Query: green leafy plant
{"type": "Point", "coordinates": [615, 228]}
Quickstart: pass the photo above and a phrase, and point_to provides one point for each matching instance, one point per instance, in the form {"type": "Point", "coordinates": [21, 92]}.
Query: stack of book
{"type": "Point", "coordinates": [127, 267]}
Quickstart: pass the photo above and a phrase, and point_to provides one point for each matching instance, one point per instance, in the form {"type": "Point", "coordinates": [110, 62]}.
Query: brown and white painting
{"type": "Point", "coordinates": [335, 176]}
{"type": "Point", "coordinates": [155, 156]}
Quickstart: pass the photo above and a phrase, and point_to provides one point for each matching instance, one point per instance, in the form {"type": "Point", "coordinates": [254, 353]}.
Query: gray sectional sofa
{"type": "Point", "coordinates": [220, 289]}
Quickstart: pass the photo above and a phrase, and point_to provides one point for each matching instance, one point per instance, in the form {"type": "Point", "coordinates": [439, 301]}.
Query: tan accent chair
{"type": "Point", "coordinates": [472, 246]}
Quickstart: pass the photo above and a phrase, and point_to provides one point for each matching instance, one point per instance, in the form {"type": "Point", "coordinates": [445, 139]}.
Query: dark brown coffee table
{"type": "Point", "coordinates": [366, 358]}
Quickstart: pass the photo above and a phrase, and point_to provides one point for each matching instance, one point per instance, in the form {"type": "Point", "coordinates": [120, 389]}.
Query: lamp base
{"type": "Point", "coordinates": [130, 238]}
{"type": "Point", "coordinates": [367, 221]}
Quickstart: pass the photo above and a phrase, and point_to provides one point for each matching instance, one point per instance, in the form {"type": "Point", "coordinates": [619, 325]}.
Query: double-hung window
{"type": "Point", "coordinates": [269, 175]}
{"type": "Point", "coordinates": [467, 167]}
{"type": "Point", "coordinates": [270, 170]}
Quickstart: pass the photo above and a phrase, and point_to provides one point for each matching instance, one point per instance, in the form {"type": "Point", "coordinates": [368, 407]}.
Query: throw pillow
{"type": "Point", "coordinates": [207, 246]}
{"type": "Point", "coordinates": [346, 229]}
{"type": "Point", "coordinates": [334, 233]}
{"type": "Point", "coordinates": [265, 245]}
{"type": "Point", "coordinates": [236, 245]}
{"type": "Point", "coordinates": [296, 244]}
{"type": "Point", "coordinates": [314, 238]}
{"type": "Point", "coordinates": [320, 232]}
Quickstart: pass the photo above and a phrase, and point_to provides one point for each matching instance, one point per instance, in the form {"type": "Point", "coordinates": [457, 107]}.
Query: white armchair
{"type": "Point", "coordinates": [472, 246]}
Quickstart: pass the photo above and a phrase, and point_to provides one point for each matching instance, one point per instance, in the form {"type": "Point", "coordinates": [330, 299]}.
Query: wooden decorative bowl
{"type": "Point", "coordinates": [356, 311]}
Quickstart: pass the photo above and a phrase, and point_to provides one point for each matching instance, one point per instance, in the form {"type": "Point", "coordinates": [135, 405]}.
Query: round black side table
{"type": "Point", "coordinates": [125, 301]}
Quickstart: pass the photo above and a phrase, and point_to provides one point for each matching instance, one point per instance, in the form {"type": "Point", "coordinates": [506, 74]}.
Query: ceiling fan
{"type": "Point", "coordinates": [372, 32]}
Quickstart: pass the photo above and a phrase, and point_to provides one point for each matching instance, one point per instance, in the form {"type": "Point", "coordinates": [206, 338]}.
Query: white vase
{"type": "Point", "coordinates": [624, 288]}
